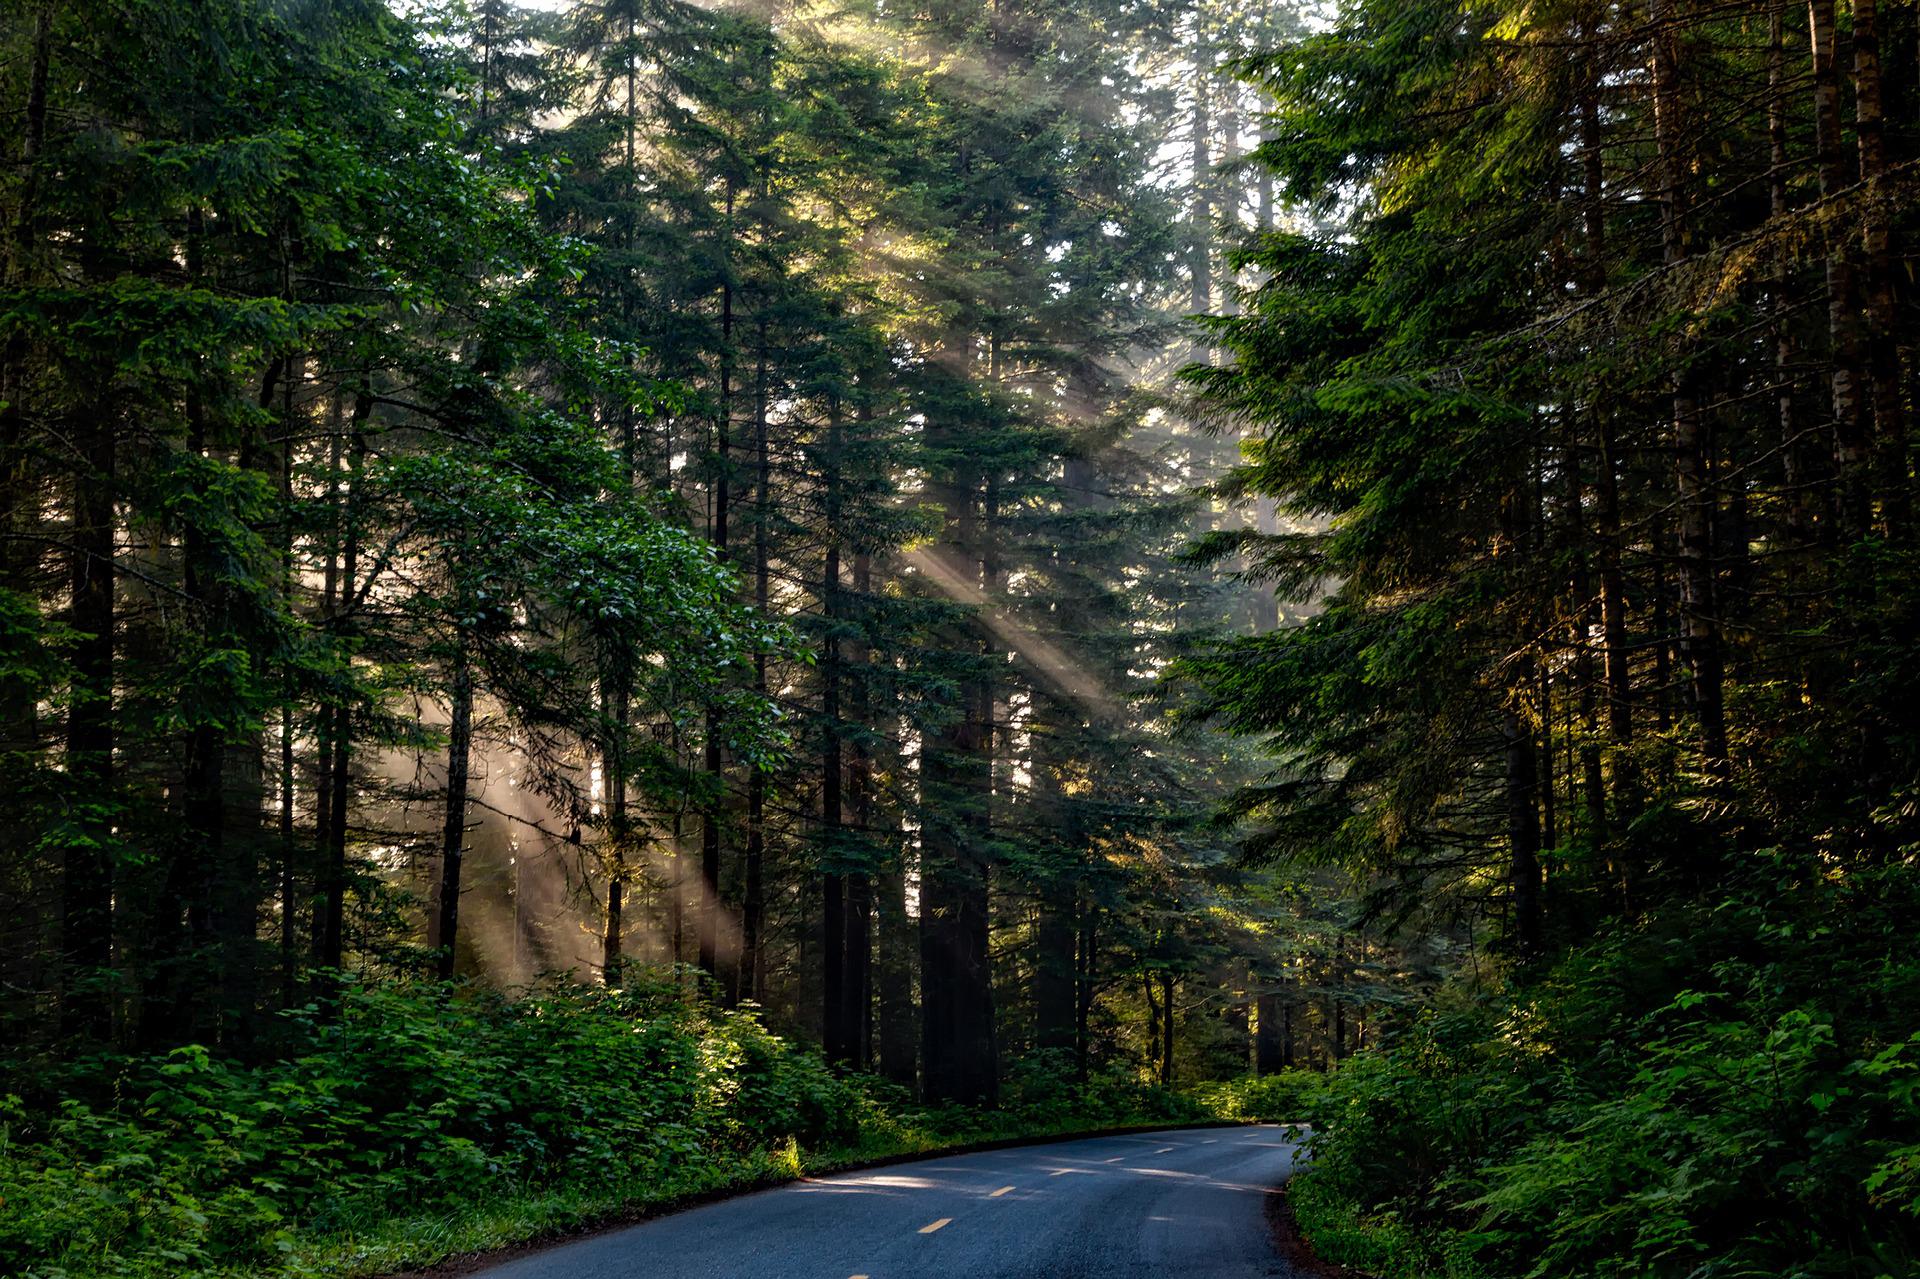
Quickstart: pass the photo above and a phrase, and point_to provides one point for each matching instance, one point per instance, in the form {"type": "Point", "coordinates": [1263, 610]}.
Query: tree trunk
{"type": "Point", "coordinates": [1883, 349]}
{"type": "Point", "coordinates": [894, 979]}
{"type": "Point", "coordinates": [19, 513]}
{"type": "Point", "coordinates": [711, 814]}
{"type": "Point", "coordinates": [1200, 211]}
{"type": "Point", "coordinates": [613, 951]}
{"type": "Point", "coordinates": [87, 906]}
{"type": "Point", "coordinates": [1266, 1034]}
{"type": "Point", "coordinates": [1699, 624]}
{"type": "Point", "coordinates": [857, 973]}
{"type": "Point", "coordinates": [1800, 500]}
{"type": "Point", "coordinates": [892, 974]}
{"type": "Point", "coordinates": [1166, 1027]}
{"type": "Point", "coordinates": [956, 777]}
{"type": "Point", "coordinates": [835, 1032]}
{"type": "Point", "coordinates": [329, 934]}
{"type": "Point", "coordinates": [453, 828]}
{"type": "Point", "coordinates": [1523, 834]}
{"type": "Point", "coordinates": [1053, 976]}
{"type": "Point", "coordinates": [747, 972]}
{"type": "Point", "coordinates": [289, 890]}
{"type": "Point", "coordinates": [1850, 437]}
{"type": "Point", "coordinates": [1087, 970]}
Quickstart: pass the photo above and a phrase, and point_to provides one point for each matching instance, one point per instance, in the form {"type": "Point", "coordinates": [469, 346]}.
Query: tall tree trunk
{"type": "Point", "coordinates": [747, 975]}
{"type": "Point", "coordinates": [1607, 532]}
{"type": "Point", "coordinates": [892, 976]}
{"type": "Point", "coordinates": [19, 498]}
{"type": "Point", "coordinates": [1166, 1027]}
{"type": "Point", "coordinates": [1883, 349]}
{"type": "Point", "coordinates": [716, 774]}
{"type": "Point", "coordinates": [1200, 210]}
{"type": "Point", "coordinates": [1593, 783]}
{"type": "Point", "coordinates": [1800, 499]}
{"type": "Point", "coordinates": [1056, 886]}
{"type": "Point", "coordinates": [1288, 1057]}
{"type": "Point", "coordinates": [87, 901]}
{"type": "Point", "coordinates": [1699, 619]}
{"type": "Point", "coordinates": [1338, 998]}
{"type": "Point", "coordinates": [1523, 834]}
{"type": "Point", "coordinates": [453, 826]}
{"type": "Point", "coordinates": [1054, 973]}
{"type": "Point", "coordinates": [613, 951]}
{"type": "Point", "coordinates": [1086, 966]}
{"type": "Point", "coordinates": [1266, 1034]}
{"type": "Point", "coordinates": [329, 934]}
{"type": "Point", "coordinates": [289, 846]}
{"type": "Point", "coordinates": [1851, 454]}
{"type": "Point", "coordinates": [834, 1032]}
{"type": "Point", "coordinates": [857, 999]}
{"type": "Point", "coordinates": [1150, 991]}
{"type": "Point", "coordinates": [956, 777]}
{"type": "Point", "coordinates": [1267, 610]}
{"type": "Point", "coordinates": [1599, 555]}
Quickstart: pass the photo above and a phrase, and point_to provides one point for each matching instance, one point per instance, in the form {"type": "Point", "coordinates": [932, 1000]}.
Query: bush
{"type": "Point", "coordinates": [425, 1097]}
{"type": "Point", "coordinates": [1286, 1097]}
{"type": "Point", "coordinates": [1733, 1093]}
{"type": "Point", "coordinates": [419, 1119]}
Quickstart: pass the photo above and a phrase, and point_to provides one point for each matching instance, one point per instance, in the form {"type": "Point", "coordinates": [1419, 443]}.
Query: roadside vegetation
{"type": "Point", "coordinates": [1732, 1090]}
{"type": "Point", "coordinates": [410, 1122]}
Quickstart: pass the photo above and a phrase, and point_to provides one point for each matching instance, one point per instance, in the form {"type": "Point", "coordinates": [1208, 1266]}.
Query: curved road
{"type": "Point", "coordinates": [1186, 1202]}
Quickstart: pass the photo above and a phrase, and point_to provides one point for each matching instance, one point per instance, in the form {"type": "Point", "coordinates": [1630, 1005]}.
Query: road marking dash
{"type": "Point", "coordinates": [1003, 1190]}
{"type": "Point", "coordinates": [929, 1229]}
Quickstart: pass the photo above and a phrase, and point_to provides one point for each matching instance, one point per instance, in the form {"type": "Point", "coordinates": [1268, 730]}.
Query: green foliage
{"type": "Point", "coordinates": [428, 1097]}
{"type": "Point", "coordinates": [429, 1105]}
{"type": "Point", "coordinates": [1730, 1090]}
{"type": "Point", "coordinates": [1286, 1096]}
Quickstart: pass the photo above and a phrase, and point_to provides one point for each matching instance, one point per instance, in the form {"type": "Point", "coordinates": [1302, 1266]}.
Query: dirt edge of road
{"type": "Point", "coordinates": [462, 1264]}
{"type": "Point", "coordinates": [1301, 1260]}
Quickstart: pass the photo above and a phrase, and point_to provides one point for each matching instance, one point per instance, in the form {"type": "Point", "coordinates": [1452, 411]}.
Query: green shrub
{"type": "Point", "coordinates": [1734, 1093]}
{"type": "Point", "coordinates": [416, 1119]}
{"type": "Point", "coordinates": [1286, 1097]}
{"type": "Point", "coordinates": [425, 1097]}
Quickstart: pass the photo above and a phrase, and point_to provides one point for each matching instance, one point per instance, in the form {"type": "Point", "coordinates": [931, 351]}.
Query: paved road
{"type": "Point", "coordinates": [1187, 1203]}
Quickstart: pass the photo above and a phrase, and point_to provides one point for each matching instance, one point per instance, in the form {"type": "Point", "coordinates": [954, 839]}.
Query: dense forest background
{"type": "Point", "coordinates": [502, 493]}
{"type": "Point", "coordinates": [1053, 554]}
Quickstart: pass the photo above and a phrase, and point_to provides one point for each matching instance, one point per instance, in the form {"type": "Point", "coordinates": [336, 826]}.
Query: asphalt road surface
{"type": "Point", "coordinates": [1187, 1202]}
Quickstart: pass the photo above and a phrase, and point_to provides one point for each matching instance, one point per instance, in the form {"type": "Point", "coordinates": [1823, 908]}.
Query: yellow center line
{"type": "Point", "coordinates": [1003, 1190]}
{"type": "Point", "coordinates": [929, 1229]}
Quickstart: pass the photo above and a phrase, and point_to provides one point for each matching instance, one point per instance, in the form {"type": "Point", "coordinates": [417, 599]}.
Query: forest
{"type": "Point", "coordinates": [606, 600]}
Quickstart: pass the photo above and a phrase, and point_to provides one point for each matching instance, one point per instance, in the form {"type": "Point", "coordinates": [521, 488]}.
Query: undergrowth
{"type": "Point", "coordinates": [410, 1122]}
{"type": "Point", "coordinates": [1731, 1091]}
